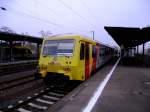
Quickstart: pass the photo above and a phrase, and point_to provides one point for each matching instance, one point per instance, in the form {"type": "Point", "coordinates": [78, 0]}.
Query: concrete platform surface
{"type": "Point", "coordinates": [128, 90]}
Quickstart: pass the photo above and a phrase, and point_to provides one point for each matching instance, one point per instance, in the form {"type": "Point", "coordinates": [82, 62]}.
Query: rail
{"type": "Point", "coordinates": [13, 67]}
{"type": "Point", "coordinates": [16, 82]}
{"type": "Point", "coordinates": [42, 100]}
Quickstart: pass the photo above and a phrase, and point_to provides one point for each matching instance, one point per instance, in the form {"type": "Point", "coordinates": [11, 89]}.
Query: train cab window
{"type": "Point", "coordinates": [82, 51]}
{"type": "Point", "coordinates": [60, 47]}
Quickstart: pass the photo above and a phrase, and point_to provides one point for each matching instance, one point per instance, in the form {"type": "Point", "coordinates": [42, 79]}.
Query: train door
{"type": "Point", "coordinates": [94, 58]}
{"type": "Point", "coordinates": [82, 61]}
{"type": "Point", "coordinates": [87, 61]}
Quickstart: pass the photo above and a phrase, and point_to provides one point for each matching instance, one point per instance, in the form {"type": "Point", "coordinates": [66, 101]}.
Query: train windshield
{"type": "Point", "coordinates": [58, 47]}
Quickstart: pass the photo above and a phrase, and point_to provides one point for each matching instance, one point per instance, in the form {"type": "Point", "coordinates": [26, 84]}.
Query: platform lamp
{"type": "Point", "coordinates": [3, 8]}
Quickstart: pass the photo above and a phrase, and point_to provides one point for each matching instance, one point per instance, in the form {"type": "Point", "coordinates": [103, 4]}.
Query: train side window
{"type": "Point", "coordinates": [93, 51]}
{"type": "Point", "coordinates": [82, 51]}
{"type": "Point", "coordinates": [101, 51]}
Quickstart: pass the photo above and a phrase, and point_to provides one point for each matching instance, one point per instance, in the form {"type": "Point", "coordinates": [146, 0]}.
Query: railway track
{"type": "Point", "coordinates": [40, 101]}
{"type": "Point", "coordinates": [16, 74]}
{"type": "Point", "coordinates": [24, 93]}
{"type": "Point", "coordinates": [8, 84]}
{"type": "Point", "coordinates": [13, 84]}
{"type": "Point", "coordinates": [14, 67]}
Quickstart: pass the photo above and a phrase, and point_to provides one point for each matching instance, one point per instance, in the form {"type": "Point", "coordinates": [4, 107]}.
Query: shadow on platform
{"type": "Point", "coordinates": [137, 61]}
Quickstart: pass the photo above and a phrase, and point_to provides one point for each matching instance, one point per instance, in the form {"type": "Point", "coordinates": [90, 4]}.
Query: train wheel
{"type": "Point", "coordinates": [37, 76]}
{"type": "Point", "coordinates": [56, 82]}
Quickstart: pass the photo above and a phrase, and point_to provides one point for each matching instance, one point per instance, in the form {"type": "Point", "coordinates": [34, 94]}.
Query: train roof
{"type": "Point", "coordinates": [98, 42]}
{"type": "Point", "coordinates": [75, 36]}
{"type": "Point", "coordinates": [78, 37]}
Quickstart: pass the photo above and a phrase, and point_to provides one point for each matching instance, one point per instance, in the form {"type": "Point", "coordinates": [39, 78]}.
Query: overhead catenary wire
{"type": "Point", "coordinates": [41, 19]}
{"type": "Point", "coordinates": [84, 4]}
{"type": "Point", "coordinates": [50, 9]}
{"type": "Point", "coordinates": [33, 17]}
{"type": "Point", "coordinates": [45, 6]}
{"type": "Point", "coordinates": [22, 6]}
{"type": "Point", "coordinates": [30, 12]}
{"type": "Point", "coordinates": [88, 9]}
{"type": "Point", "coordinates": [54, 12]}
{"type": "Point", "coordinates": [10, 9]}
{"type": "Point", "coordinates": [76, 13]}
{"type": "Point", "coordinates": [90, 12]}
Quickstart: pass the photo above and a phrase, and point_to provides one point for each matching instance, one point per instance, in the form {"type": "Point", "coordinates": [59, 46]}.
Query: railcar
{"type": "Point", "coordinates": [71, 57]}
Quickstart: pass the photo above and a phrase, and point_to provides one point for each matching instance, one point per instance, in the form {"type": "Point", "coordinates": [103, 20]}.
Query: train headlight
{"type": "Point", "coordinates": [43, 67]}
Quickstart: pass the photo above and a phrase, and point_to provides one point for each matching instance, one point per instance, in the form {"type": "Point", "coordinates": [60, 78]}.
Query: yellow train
{"type": "Point", "coordinates": [71, 57]}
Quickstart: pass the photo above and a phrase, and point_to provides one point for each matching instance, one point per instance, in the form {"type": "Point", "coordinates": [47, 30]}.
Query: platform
{"type": "Point", "coordinates": [128, 90]}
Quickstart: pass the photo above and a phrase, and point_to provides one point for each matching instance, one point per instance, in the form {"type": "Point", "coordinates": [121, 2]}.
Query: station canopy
{"type": "Point", "coordinates": [129, 37]}
{"type": "Point", "coordinates": [16, 37]}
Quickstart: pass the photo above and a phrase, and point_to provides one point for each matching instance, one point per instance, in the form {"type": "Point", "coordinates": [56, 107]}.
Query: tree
{"type": "Point", "coordinates": [25, 33]}
{"type": "Point", "coordinates": [45, 33]}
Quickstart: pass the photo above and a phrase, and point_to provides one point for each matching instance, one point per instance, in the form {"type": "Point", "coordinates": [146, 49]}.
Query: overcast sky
{"type": "Point", "coordinates": [74, 16]}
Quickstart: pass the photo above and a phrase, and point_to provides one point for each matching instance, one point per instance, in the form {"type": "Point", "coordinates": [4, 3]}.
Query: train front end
{"type": "Point", "coordinates": [58, 59]}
